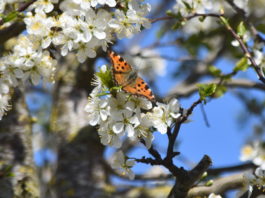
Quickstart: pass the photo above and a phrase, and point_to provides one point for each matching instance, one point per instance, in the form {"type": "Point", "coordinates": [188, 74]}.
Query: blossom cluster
{"type": "Point", "coordinates": [119, 115]}
{"type": "Point", "coordinates": [81, 27]}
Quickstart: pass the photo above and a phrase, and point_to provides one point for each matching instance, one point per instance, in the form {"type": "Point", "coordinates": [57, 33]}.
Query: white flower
{"type": "Point", "coordinates": [212, 195]}
{"type": "Point", "coordinates": [125, 123]}
{"type": "Point", "coordinates": [142, 131]}
{"type": "Point", "coordinates": [139, 103]}
{"type": "Point", "coordinates": [122, 165]}
{"type": "Point", "coordinates": [123, 25]}
{"type": "Point", "coordinates": [43, 5]}
{"type": "Point", "coordinates": [108, 137]}
{"type": "Point", "coordinates": [87, 4]}
{"type": "Point", "coordinates": [97, 110]}
{"type": "Point", "coordinates": [97, 22]}
{"type": "Point", "coordinates": [248, 153]}
{"type": "Point", "coordinates": [110, 3]}
{"type": "Point", "coordinates": [120, 104]}
{"type": "Point", "coordinates": [137, 11]}
{"type": "Point", "coordinates": [38, 24]}
{"type": "Point", "coordinates": [85, 50]}
{"type": "Point", "coordinates": [43, 66]}
{"type": "Point", "coordinates": [129, 23]}
{"type": "Point", "coordinates": [164, 115]}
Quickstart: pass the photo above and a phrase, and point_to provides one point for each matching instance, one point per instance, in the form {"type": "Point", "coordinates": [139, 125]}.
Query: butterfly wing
{"type": "Point", "coordinates": [120, 68]}
{"type": "Point", "coordinates": [139, 87]}
{"type": "Point", "coordinates": [125, 76]}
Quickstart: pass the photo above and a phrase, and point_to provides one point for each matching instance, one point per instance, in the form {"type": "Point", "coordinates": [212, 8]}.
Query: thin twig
{"type": "Point", "coordinates": [190, 110]}
{"type": "Point", "coordinates": [246, 52]}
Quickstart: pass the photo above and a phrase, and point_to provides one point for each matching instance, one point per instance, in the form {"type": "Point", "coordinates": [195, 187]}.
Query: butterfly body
{"type": "Point", "coordinates": [124, 75]}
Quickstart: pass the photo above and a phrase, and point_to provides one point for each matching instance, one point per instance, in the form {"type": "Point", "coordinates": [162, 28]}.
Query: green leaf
{"type": "Point", "coordinates": [241, 29]}
{"type": "Point", "coordinates": [241, 65]}
{"type": "Point", "coordinates": [116, 88]}
{"type": "Point", "coordinates": [10, 16]}
{"type": "Point", "coordinates": [206, 90]}
{"type": "Point", "coordinates": [106, 78]}
{"type": "Point", "coordinates": [220, 91]}
{"type": "Point", "coordinates": [214, 71]}
{"type": "Point", "coordinates": [224, 21]}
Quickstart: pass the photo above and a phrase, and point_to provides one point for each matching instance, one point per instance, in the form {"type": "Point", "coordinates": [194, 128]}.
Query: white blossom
{"type": "Point", "coordinates": [87, 4]}
{"type": "Point", "coordinates": [44, 5]}
{"type": "Point", "coordinates": [127, 121]}
{"type": "Point", "coordinates": [137, 12]}
{"type": "Point", "coordinates": [129, 23]}
{"type": "Point", "coordinates": [142, 131]}
{"type": "Point", "coordinates": [122, 165]}
{"type": "Point", "coordinates": [248, 152]}
{"type": "Point", "coordinates": [97, 110]}
{"type": "Point", "coordinates": [254, 152]}
{"type": "Point", "coordinates": [108, 137]}
{"type": "Point", "coordinates": [164, 115]}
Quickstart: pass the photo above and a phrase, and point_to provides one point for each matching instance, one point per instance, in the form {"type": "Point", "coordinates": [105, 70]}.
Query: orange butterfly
{"type": "Point", "coordinates": [125, 76]}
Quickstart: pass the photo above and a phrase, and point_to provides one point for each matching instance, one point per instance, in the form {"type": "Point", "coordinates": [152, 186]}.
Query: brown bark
{"type": "Point", "coordinates": [18, 177]}
{"type": "Point", "coordinates": [79, 172]}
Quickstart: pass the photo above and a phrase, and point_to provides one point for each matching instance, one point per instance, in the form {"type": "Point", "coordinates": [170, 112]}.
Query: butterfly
{"type": "Point", "coordinates": [125, 76]}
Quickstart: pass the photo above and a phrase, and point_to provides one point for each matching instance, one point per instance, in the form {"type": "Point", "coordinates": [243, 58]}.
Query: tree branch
{"type": "Point", "coordinates": [187, 90]}
{"type": "Point", "coordinates": [219, 186]}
